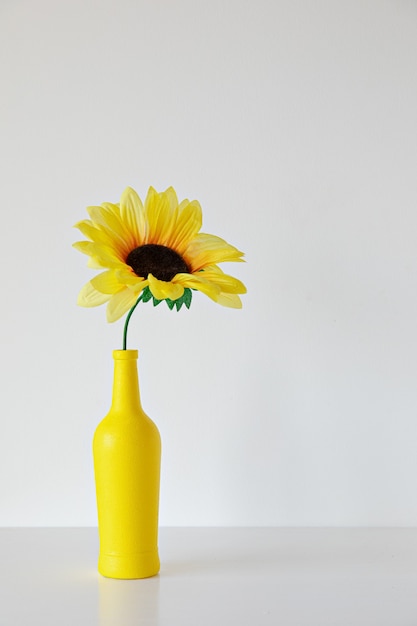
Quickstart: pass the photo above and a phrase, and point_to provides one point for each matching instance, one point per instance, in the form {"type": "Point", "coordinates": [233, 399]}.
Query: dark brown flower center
{"type": "Point", "coordinates": [160, 261]}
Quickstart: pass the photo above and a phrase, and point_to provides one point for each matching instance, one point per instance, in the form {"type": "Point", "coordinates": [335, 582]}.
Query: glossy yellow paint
{"type": "Point", "coordinates": [127, 456]}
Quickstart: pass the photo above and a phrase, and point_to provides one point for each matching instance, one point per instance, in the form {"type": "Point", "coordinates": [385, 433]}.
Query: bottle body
{"type": "Point", "coordinates": [127, 455]}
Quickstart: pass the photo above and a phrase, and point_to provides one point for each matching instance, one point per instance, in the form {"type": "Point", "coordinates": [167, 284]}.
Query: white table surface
{"type": "Point", "coordinates": [216, 577]}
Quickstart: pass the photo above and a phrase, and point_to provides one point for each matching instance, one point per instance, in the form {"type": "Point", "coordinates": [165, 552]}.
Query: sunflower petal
{"type": "Point", "coordinates": [171, 196]}
{"type": "Point", "coordinates": [94, 264]}
{"type": "Point", "coordinates": [133, 215]}
{"type": "Point", "coordinates": [230, 300]}
{"type": "Point", "coordinates": [112, 208]}
{"type": "Point", "coordinates": [106, 282]}
{"type": "Point", "coordinates": [90, 297]}
{"type": "Point", "coordinates": [227, 284]}
{"type": "Point", "coordinates": [87, 228]}
{"type": "Point", "coordinates": [198, 282]}
{"type": "Point", "coordinates": [188, 222]}
{"type": "Point", "coordinates": [206, 250]}
{"type": "Point", "coordinates": [120, 303]}
{"type": "Point", "coordinates": [127, 276]}
{"type": "Point", "coordinates": [90, 231]}
{"type": "Point", "coordinates": [112, 240]}
{"type": "Point", "coordinates": [107, 218]}
{"type": "Point", "coordinates": [102, 254]}
{"type": "Point", "coordinates": [162, 289]}
{"type": "Point", "coordinates": [138, 286]}
{"type": "Point", "coordinates": [160, 216]}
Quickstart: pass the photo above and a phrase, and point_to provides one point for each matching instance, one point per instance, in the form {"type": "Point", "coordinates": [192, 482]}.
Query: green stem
{"type": "Point", "coordinates": [129, 315]}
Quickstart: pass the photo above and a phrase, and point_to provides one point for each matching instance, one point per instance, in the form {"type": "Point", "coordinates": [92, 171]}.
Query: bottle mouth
{"type": "Point", "coordinates": [125, 355]}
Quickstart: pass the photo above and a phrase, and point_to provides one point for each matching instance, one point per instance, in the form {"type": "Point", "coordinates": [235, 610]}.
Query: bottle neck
{"type": "Point", "coordinates": [126, 396]}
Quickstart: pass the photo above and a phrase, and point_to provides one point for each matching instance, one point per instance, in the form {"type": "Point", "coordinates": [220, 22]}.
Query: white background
{"type": "Point", "coordinates": [294, 124]}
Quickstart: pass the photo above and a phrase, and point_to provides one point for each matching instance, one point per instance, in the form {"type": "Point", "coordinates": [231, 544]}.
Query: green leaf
{"type": "Point", "coordinates": [178, 303]}
{"type": "Point", "coordinates": [146, 295]}
{"type": "Point", "coordinates": [187, 297]}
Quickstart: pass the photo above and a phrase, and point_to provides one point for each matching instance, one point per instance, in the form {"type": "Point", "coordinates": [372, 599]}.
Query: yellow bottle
{"type": "Point", "coordinates": [127, 457]}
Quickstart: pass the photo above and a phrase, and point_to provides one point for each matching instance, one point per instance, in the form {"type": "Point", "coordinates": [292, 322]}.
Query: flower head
{"type": "Point", "coordinates": [154, 251]}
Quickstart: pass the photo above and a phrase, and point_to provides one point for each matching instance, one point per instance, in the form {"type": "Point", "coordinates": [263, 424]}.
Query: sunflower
{"type": "Point", "coordinates": [153, 252]}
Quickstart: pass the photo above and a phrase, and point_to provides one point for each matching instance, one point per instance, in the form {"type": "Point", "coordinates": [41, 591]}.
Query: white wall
{"type": "Point", "coordinates": [294, 124]}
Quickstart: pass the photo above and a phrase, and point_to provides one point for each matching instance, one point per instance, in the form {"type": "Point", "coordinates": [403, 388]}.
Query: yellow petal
{"type": "Point", "coordinates": [106, 282]}
{"type": "Point", "coordinates": [139, 286]}
{"type": "Point", "coordinates": [151, 197]}
{"type": "Point", "coordinates": [107, 218]}
{"type": "Point", "coordinates": [160, 217]}
{"type": "Point", "coordinates": [230, 300]}
{"type": "Point", "coordinates": [127, 276]}
{"type": "Point", "coordinates": [90, 297]}
{"type": "Point", "coordinates": [130, 279]}
{"type": "Point", "coordinates": [188, 222]}
{"type": "Point", "coordinates": [206, 250]}
{"type": "Point", "coordinates": [112, 208]}
{"type": "Point", "coordinates": [95, 234]}
{"type": "Point", "coordinates": [120, 303]}
{"type": "Point", "coordinates": [198, 282]}
{"type": "Point", "coordinates": [95, 264]}
{"type": "Point", "coordinates": [107, 237]}
{"type": "Point", "coordinates": [162, 289]}
{"type": "Point", "coordinates": [100, 216]}
{"type": "Point", "coordinates": [98, 234]}
{"type": "Point", "coordinates": [102, 254]}
{"type": "Point", "coordinates": [172, 198]}
{"type": "Point", "coordinates": [227, 284]}
{"type": "Point", "coordinates": [133, 214]}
